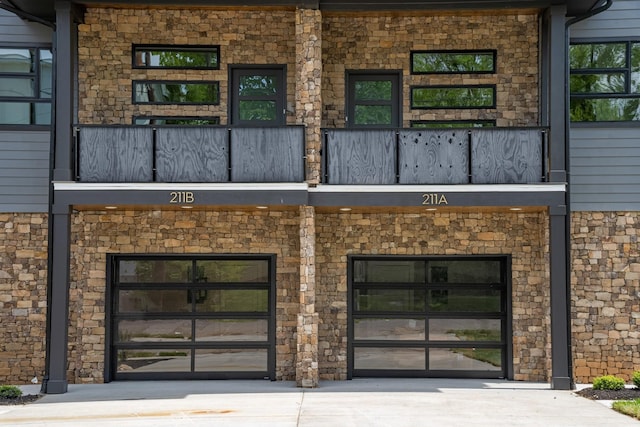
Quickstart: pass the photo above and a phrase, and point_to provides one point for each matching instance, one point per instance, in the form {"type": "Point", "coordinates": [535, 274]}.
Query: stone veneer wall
{"type": "Point", "coordinates": [605, 286]}
{"type": "Point", "coordinates": [105, 70]}
{"type": "Point", "coordinates": [523, 235]}
{"type": "Point", "coordinates": [23, 296]}
{"type": "Point", "coordinates": [96, 233]}
{"type": "Point", "coordinates": [385, 42]}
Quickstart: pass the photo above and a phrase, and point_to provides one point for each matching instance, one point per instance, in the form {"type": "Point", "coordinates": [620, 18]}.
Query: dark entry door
{"type": "Point", "coordinates": [429, 317]}
{"type": "Point", "coordinates": [258, 95]}
{"type": "Point", "coordinates": [197, 317]}
{"type": "Point", "coordinates": [373, 99]}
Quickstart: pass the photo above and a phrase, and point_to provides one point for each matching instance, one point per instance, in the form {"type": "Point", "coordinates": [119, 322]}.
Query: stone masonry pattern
{"type": "Point", "coordinates": [23, 296]}
{"type": "Point", "coordinates": [605, 284]}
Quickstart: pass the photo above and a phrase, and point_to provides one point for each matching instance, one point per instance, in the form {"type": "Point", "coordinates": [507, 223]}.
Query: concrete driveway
{"type": "Point", "coordinates": [360, 402]}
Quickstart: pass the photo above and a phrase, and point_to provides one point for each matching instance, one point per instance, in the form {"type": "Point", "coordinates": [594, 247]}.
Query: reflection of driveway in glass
{"type": "Point", "coordinates": [414, 358]}
{"type": "Point", "coordinates": [216, 361]}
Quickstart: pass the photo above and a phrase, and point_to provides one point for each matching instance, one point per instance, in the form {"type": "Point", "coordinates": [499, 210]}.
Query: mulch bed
{"type": "Point", "coordinates": [22, 400]}
{"type": "Point", "coordinates": [624, 394]}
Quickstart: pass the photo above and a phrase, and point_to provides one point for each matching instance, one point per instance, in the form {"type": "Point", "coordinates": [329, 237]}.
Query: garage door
{"type": "Point", "coordinates": [429, 317]}
{"type": "Point", "coordinates": [191, 317]}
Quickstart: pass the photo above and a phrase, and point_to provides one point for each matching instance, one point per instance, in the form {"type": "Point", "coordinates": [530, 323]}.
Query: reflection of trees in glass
{"type": "Point", "coordinates": [177, 92]}
{"type": "Point", "coordinates": [452, 97]}
{"type": "Point", "coordinates": [453, 62]}
{"type": "Point", "coordinates": [169, 57]}
{"type": "Point", "coordinates": [373, 90]}
{"type": "Point", "coordinates": [257, 97]}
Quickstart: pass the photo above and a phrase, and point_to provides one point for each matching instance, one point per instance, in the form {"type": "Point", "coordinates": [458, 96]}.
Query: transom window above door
{"type": "Point", "coordinates": [373, 99]}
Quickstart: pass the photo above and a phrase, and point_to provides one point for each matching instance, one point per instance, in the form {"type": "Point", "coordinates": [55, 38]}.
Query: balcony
{"type": "Point", "coordinates": [435, 156]}
{"type": "Point", "coordinates": [189, 154]}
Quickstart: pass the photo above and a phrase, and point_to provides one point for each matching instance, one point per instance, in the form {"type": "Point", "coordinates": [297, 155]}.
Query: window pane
{"type": "Point", "coordinates": [465, 300]}
{"type": "Point", "coordinates": [46, 73]}
{"type": "Point", "coordinates": [154, 271]}
{"type": "Point", "coordinates": [176, 92]}
{"type": "Point", "coordinates": [210, 360]}
{"type": "Point", "coordinates": [635, 68]}
{"type": "Point", "coordinates": [17, 87]}
{"type": "Point", "coordinates": [388, 329]}
{"type": "Point", "coordinates": [42, 113]}
{"type": "Point", "coordinates": [382, 271]}
{"type": "Point", "coordinates": [605, 109]}
{"type": "Point", "coordinates": [465, 330]}
{"type": "Point", "coordinates": [452, 97]}
{"type": "Point", "coordinates": [452, 62]}
{"type": "Point", "coordinates": [152, 360]}
{"type": "Point", "coordinates": [473, 359]}
{"type": "Point", "coordinates": [232, 300]}
{"type": "Point", "coordinates": [257, 110]}
{"type": "Point", "coordinates": [233, 271]}
{"type": "Point", "coordinates": [16, 61]}
{"type": "Point", "coordinates": [598, 55]}
{"type": "Point", "coordinates": [389, 358]}
{"type": "Point", "coordinates": [16, 113]}
{"type": "Point", "coordinates": [153, 301]}
{"type": "Point", "coordinates": [257, 86]}
{"type": "Point", "coordinates": [464, 271]}
{"type": "Point", "coordinates": [154, 330]}
{"type": "Point", "coordinates": [373, 115]}
{"type": "Point", "coordinates": [176, 57]}
{"type": "Point", "coordinates": [232, 330]}
{"type": "Point", "coordinates": [186, 121]}
{"type": "Point", "coordinates": [373, 90]}
{"type": "Point", "coordinates": [598, 83]}
{"type": "Point", "coordinates": [454, 124]}
{"type": "Point", "coordinates": [399, 300]}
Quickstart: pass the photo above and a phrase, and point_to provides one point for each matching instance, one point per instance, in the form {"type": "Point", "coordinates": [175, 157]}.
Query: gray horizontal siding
{"type": "Point", "coordinates": [24, 171]}
{"type": "Point", "coordinates": [622, 19]}
{"type": "Point", "coordinates": [605, 169]}
{"type": "Point", "coordinates": [15, 30]}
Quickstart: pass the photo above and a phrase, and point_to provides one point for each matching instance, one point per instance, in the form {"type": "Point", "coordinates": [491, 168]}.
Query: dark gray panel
{"type": "Point", "coordinates": [116, 154]}
{"type": "Point", "coordinates": [433, 157]}
{"type": "Point", "coordinates": [361, 157]}
{"type": "Point", "coordinates": [195, 154]}
{"type": "Point", "coordinates": [622, 19]}
{"type": "Point", "coordinates": [14, 29]}
{"type": "Point", "coordinates": [506, 156]}
{"type": "Point", "coordinates": [267, 154]}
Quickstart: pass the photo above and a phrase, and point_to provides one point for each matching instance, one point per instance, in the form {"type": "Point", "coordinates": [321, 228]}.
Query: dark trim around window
{"type": "Point", "coordinates": [446, 124]}
{"type": "Point", "coordinates": [492, 105]}
{"type": "Point", "coordinates": [211, 55]}
{"type": "Point", "coordinates": [215, 85]}
{"type": "Point", "coordinates": [215, 120]}
{"type": "Point", "coordinates": [452, 53]}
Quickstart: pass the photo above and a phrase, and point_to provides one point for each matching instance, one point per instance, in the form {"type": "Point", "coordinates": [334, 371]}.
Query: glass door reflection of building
{"type": "Point", "coordinates": [179, 317]}
{"type": "Point", "coordinates": [428, 317]}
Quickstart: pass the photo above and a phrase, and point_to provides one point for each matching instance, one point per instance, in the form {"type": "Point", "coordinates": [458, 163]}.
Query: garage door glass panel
{"type": "Point", "coordinates": [464, 271]}
{"type": "Point", "coordinates": [465, 359]}
{"type": "Point", "coordinates": [382, 271]}
{"type": "Point", "coordinates": [231, 360]}
{"type": "Point", "coordinates": [154, 330]}
{"type": "Point", "coordinates": [236, 271]}
{"type": "Point", "coordinates": [403, 300]}
{"type": "Point", "coordinates": [389, 329]}
{"type": "Point", "coordinates": [389, 358]}
{"type": "Point", "coordinates": [154, 271]}
{"type": "Point", "coordinates": [232, 330]}
{"type": "Point", "coordinates": [154, 301]}
{"type": "Point", "coordinates": [153, 360]}
{"type": "Point", "coordinates": [465, 300]}
{"type": "Point", "coordinates": [234, 300]}
{"type": "Point", "coordinates": [465, 330]}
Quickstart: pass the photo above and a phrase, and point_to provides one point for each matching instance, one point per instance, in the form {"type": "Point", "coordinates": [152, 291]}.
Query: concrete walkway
{"type": "Point", "coordinates": [361, 402]}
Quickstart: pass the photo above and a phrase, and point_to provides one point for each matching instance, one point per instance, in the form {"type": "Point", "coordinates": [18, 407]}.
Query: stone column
{"type": "Point", "coordinates": [307, 332]}
{"type": "Point", "coordinates": [308, 85]}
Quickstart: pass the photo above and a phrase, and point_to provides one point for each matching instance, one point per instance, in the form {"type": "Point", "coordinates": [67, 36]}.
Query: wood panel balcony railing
{"type": "Point", "coordinates": [435, 156]}
{"type": "Point", "coordinates": [193, 154]}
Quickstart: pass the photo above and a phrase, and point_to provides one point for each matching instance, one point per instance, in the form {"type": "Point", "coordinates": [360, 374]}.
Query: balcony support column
{"type": "Point", "coordinates": [307, 374]}
{"type": "Point", "coordinates": [308, 86]}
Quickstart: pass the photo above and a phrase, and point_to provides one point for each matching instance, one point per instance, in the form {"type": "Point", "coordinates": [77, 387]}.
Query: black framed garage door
{"type": "Point", "coordinates": [190, 317]}
{"type": "Point", "coordinates": [429, 316]}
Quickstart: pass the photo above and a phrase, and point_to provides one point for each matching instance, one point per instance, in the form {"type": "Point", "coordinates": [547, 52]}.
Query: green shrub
{"type": "Point", "coordinates": [636, 379]}
{"type": "Point", "coordinates": [608, 382]}
{"type": "Point", "coordinates": [10, 392]}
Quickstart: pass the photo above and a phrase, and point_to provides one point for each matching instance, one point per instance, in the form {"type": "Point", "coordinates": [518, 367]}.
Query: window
{"type": "Point", "coordinates": [605, 81]}
{"type": "Point", "coordinates": [435, 124]}
{"type": "Point", "coordinates": [453, 62]}
{"type": "Point", "coordinates": [25, 86]}
{"type": "Point", "coordinates": [176, 57]}
{"type": "Point", "coordinates": [175, 92]}
{"type": "Point", "coordinates": [175, 120]}
{"type": "Point", "coordinates": [476, 96]}
{"type": "Point", "coordinates": [373, 99]}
